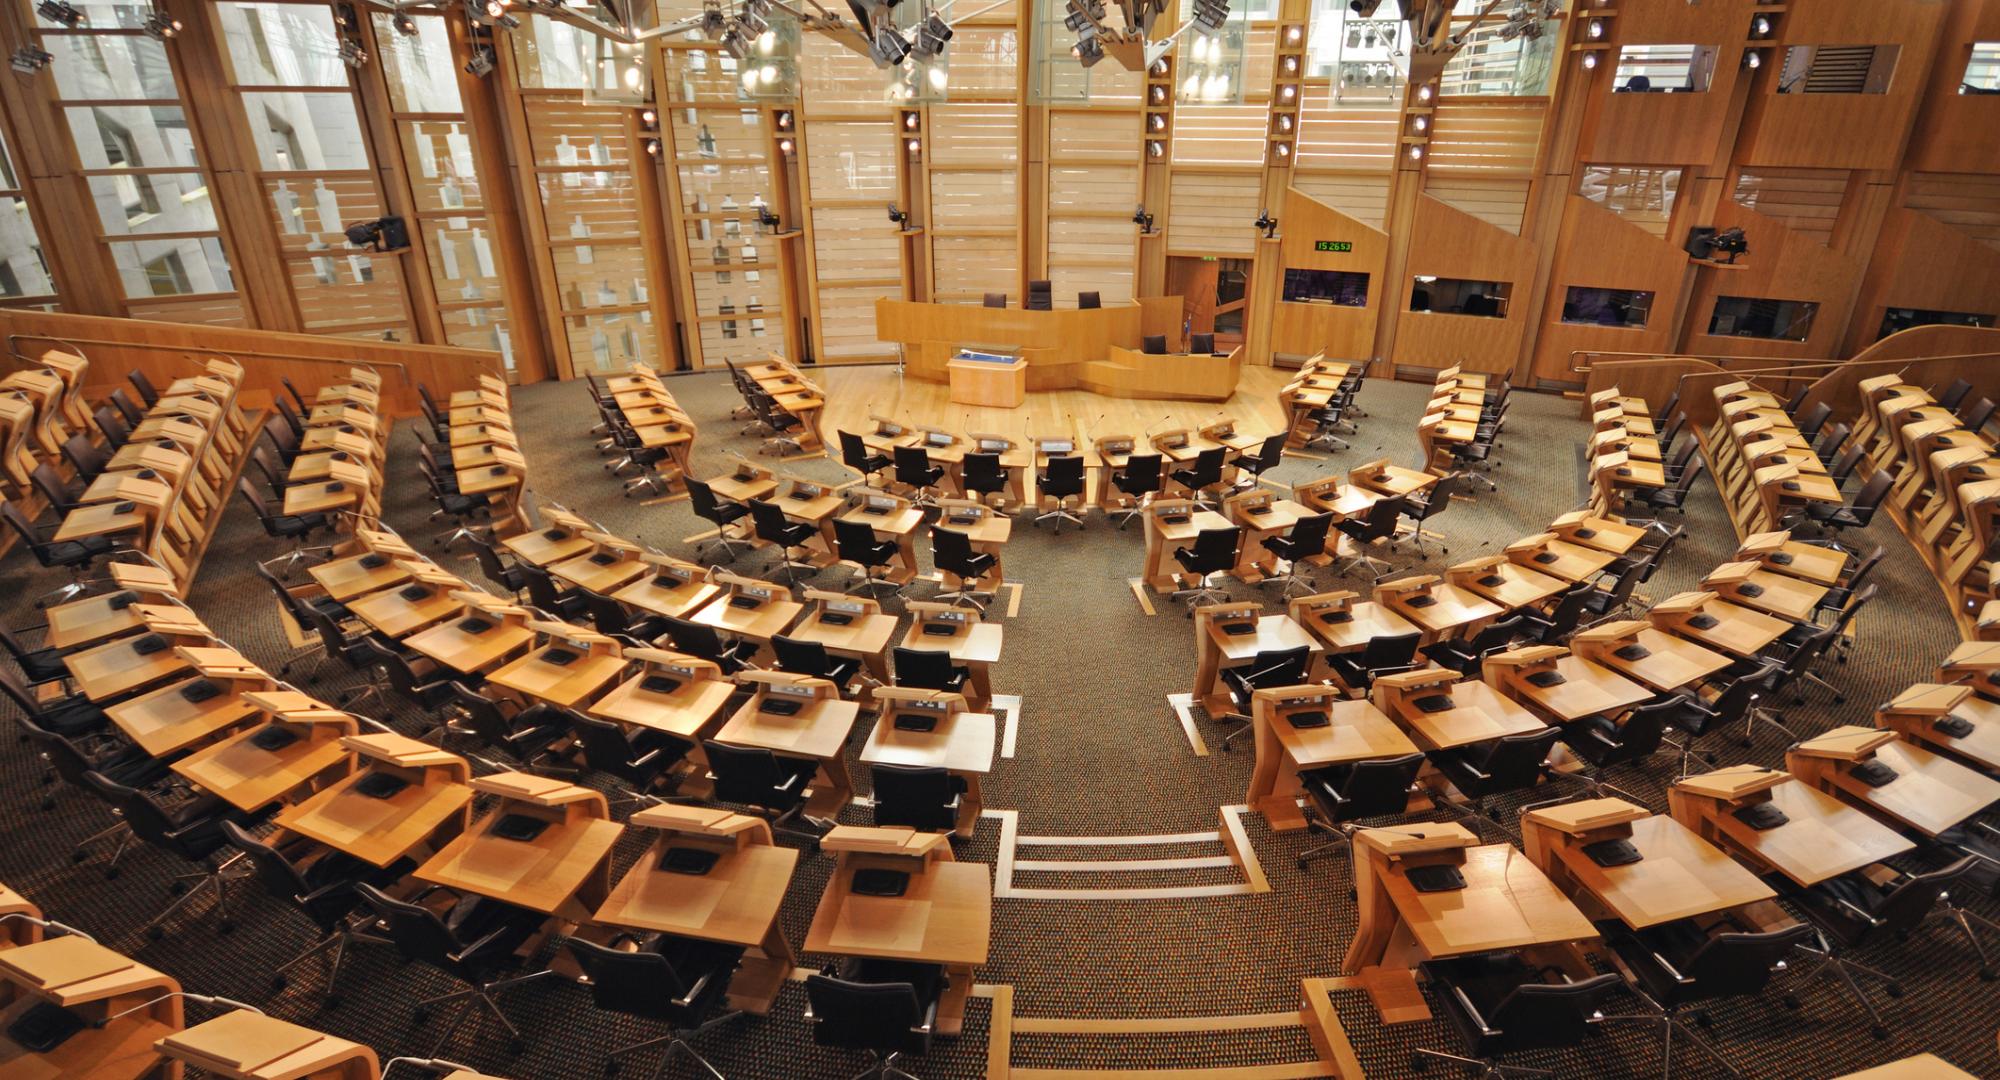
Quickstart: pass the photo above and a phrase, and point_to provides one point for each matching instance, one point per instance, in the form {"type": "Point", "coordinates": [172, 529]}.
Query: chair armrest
{"type": "Point", "coordinates": [1476, 772]}
{"type": "Point", "coordinates": [484, 942]}
{"type": "Point", "coordinates": [694, 991]}
{"type": "Point", "coordinates": [1857, 912]}
{"type": "Point", "coordinates": [1472, 1011]}
{"type": "Point", "coordinates": [1670, 969]}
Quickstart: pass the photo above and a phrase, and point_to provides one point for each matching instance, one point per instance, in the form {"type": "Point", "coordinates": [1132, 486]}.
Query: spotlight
{"type": "Point", "coordinates": [1761, 27]}
{"type": "Point", "coordinates": [482, 62]}
{"type": "Point", "coordinates": [752, 24]}
{"type": "Point", "coordinates": [1088, 50]}
{"type": "Point", "coordinates": [1590, 61]}
{"type": "Point", "coordinates": [649, 118]}
{"type": "Point", "coordinates": [734, 45]}
{"type": "Point", "coordinates": [899, 216]}
{"type": "Point", "coordinates": [1267, 223]}
{"type": "Point", "coordinates": [888, 48]}
{"type": "Point", "coordinates": [27, 59]}
{"type": "Point", "coordinates": [910, 121]}
{"type": "Point", "coordinates": [404, 25]}
{"type": "Point", "coordinates": [1364, 8]}
{"type": "Point", "coordinates": [1595, 29]}
{"type": "Point", "coordinates": [353, 55]}
{"type": "Point", "coordinates": [1292, 35]}
{"type": "Point", "coordinates": [1156, 148]}
{"type": "Point", "coordinates": [1704, 242]}
{"type": "Point", "coordinates": [784, 146]}
{"type": "Point", "coordinates": [1157, 121]}
{"type": "Point", "coordinates": [1284, 150]}
{"type": "Point", "coordinates": [1753, 59]}
{"type": "Point", "coordinates": [932, 36]}
{"type": "Point", "coordinates": [1425, 93]}
{"type": "Point", "coordinates": [1209, 15]}
{"type": "Point", "coordinates": [161, 27]}
{"type": "Point", "coordinates": [1416, 153]}
{"type": "Point", "coordinates": [1144, 220]}
{"type": "Point", "coordinates": [1421, 123]}
{"type": "Point", "coordinates": [1284, 123]}
{"type": "Point", "coordinates": [784, 119]}
{"type": "Point", "coordinates": [712, 22]}
{"type": "Point", "coordinates": [58, 12]}
{"type": "Point", "coordinates": [653, 147]}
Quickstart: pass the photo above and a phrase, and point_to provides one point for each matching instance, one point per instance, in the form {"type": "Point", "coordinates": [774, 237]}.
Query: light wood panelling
{"type": "Point", "coordinates": [1968, 204]}
{"type": "Point", "coordinates": [1844, 131]}
{"type": "Point", "coordinates": [975, 197]}
{"type": "Point", "coordinates": [1954, 132]}
{"type": "Point", "coordinates": [1092, 185]}
{"type": "Point", "coordinates": [1600, 249]}
{"type": "Point", "coordinates": [1448, 242]}
{"type": "Point", "coordinates": [1923, 263]}
{"type": "Point", "coordinates": [1220, 134]}
{"type": "Point", "coordinates": [1484, 140]}
{"type": "Point", "coordinates": [1807, 200]}
{"type": "Point", "coordinates": [1659, 129]}
{"type": "Point", "coordinates": [1299, 329]}
{"type": "Point", "coordinates": [1212, 213]}
{"type": "Point", "coordinates": [1361, 196]}
{"type": "Point", "coordinates": [1346, 136]}
{"type": "Point", "coordinates": [1790, 267]}
{"type": "Point", "coordinates": [1498, 201]}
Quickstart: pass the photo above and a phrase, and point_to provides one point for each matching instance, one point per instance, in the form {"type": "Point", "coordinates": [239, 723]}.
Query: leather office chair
{"type": "Point", "coordinates": [1154, 345]}
{"type": "Point", "coordinates": [1213, 553]}
{"type": "Point", "coordinates": [1561, 618]}
{"type": "Point", "coordinates": [471, 942]}
{"type": "Point", "coordinates": [854, 453]}
{"type": "Point", "coordinates": [1306, 540]}
{"type": "Point", "coordinates": [495, 569]}
{"type": "Point", "coordinates": [1604, 742]}
{"type": "Point", "coordinates": [982, 476]}
{"type": "Point", "coordinates": [1500, 1005]}
{"type": "Point", "coordinates": [1063, 481]}
{"type": "Point", "coordinates": [1420, 507]}
{"type": "Point", "coordinates": [929, 669]}
{"type": "Point", "coordinates": [69, 715]}
{"type": "Point", "coordinates": [1837, 520]}
{"type": "Point", "coordinates": [1500, 766]}
{"type": "Point", "coordinates": [1337, 796]}
{"type": "Point", "coordinates": [951, 551]}
{"type": "Point", "coordinates": [39, 665]}
{"type": "Point", "coordinates": [466, 512]}
{"type": "Point", "coordinates": [883, 1008]}
{"type": "Point", "coordinates": [1199, 344]}
{"type": "Point", "coordinates": [116, 431]}
{"type": "Point", "coordinates": [1830, 443]}
{"type": "Point", "coordinates": [297, 528]}
{"type": "Point", "coordinates": [1954, 394]}
{"type": "Point", "coordinates": [923, 798]}
{"type": "Point", "coordinates": [1798, 398]}
{"type": "Point", "coordinates": [61, 495]}
{"type": "Point", "coordinates": [561, 601]}
{"type": "Point", "coordinates": [1465, 655]}
{"type": "Point", "coordinates": [190, 831]}
{"type": "Point", "coordinates": [789, 536]}
{"type": "Point", "coordinates": [123, 402]}
{"type": "Point", "coordinates": [1673, 496]}
{"type": "Point", "coordinates": [1327, 421]}
{"type": "Point", "coordinates": [433, 416]}
{"type": "Point", "coordinates": [1270, 454]}
{"type": "Point", "coordinates": [338, 644]}
{"type": "Point", "coordinates": [86, 459]}
{"type": "Point", "coordinates": [856, 543]}
{"type": "Point", "coordinates": [996, 300]}
{"type": "Point", "coordinates": [1041, 296]}
{"type": "Point", "coordinates": [1850, 910]}
{"type": "Point", "coordinates": [71, 758]}
{"type": "Point", "coordinates": [1266, 670]}
{"type": "Point", "coordinates": [1843, 466]}
{"type": "Point", "coordinates": [1812, 420]}
{"type": "Point", "coordinates": [1205, 473]}
{"type": "Point", "coordinates": [700, 639]}
{"type": "Point", "coordinates": [305, 407]}
{"type": "Point", "coordinates": [1678, 964]}
{"type": "Point", "coordinates": [321, 889]}
{"type": "Point", "coordinates": [915, 471]}
{"type": "Point", "coordinates": [266, 464]}
{"type": "Point", "coordinates": [1676, 461]}
{"type": "Point", "coordinates": [810, 658]}
{"type": "Point", "coordinates": [1378, 524]}
{"type": "Point", "coordinates": [638, 759]}
{"type": "Point", "coordinates": [772, 783]}
{"type": "Point", "coordinates": [75, 556]}
{"type": "Point", "coordinates": [526, 733]}
{"type": "Point", "coordinates": [294, 606]}
{"type": "Point", "coordinates": [1139, 480]}
{"type": "Point", "coordinates": [1383, 655]}
{"type": "Point", "coordinates": [1975, 417]}
{"type": "Point", "coordinates": [678, 981]}
{"type": "Point", "coordinates": [718, 512]}
{"type": "Point", "coordinates": [401, 673]}
{"type": "Point", "coordinates": [143, 386]}
{"type": "Point", "coordinates": [1088, 300]}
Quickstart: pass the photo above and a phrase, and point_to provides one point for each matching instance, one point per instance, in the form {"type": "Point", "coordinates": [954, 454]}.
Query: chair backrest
{"type": "Point", "coordinates": [430, 411]}
{"type": "Point", "coordinates": [488, 558]}
{"type": "Point", "coordinates": [147, 821]}
{"type": "Point", "coordinates": [1643, 729]}
{"type": "Point", "coordinates": [863, 1016]}
{"type": "Point", "coordinates": [1682, 456]}
{"type": "Point", "coordinates": [1854, 605]}
{"type": "Point", "coordinates": [1843, 467]}
{"type": "Point", "coordinates": [642, 983]}
{"type": "Point", "coordinates": [1495, 635]}
{"type": "Point", "coordinates": [1154, 345]}
{"type": "Point", "coordinates": [1673, 430]}
{"type": "Point", "coordinates": [1659, 554]}
{"type": "Point", "coordinates": [144, 387]}
{"type": "Point", "coordinates": [19, 522]}
{"type": "Point", "coordinates": [1540, 1015]}
{"type": "Point", "coordinates": [1390, 650]}
{"type": "Point", "coordinates": [277, 874]}
{"type": "Point", "coordinates": [296, 422]}
{"type": "Point", "coordinates": [925, 669]}
{"type": "Point", "coordinates": [114, 427]}
{"type": "Point", "coordinates": [916, 796]}
{"type": "Point", "coordinates": [1737, 964]}
{"type": "Point", "coordinates": [857, 544]}
{"type": "Point", "coordinates": [482, 714]}
{"type": "Point", "coordinates": [1215, 549]}
{"type": "Point", "coordinates": [1207, 467]}
{"type": "Point", "coordinates": [63, 757]}
{"type": "Point", "coordinates": [416, 930]}
{"type": "Point", "coordinates": [286, 382]}
{"type": "Point", "coordinates": [982, 472]}
{"type": "Point", "coordinates": [1309, 533]}
{"type": "Point", "coordinates": [853, 452]}
{"type": "Point", "coordinates": [248, 490]}
{"type": "Point", "coordinates": [1865, 567]}
{"type": "Point", "coordinates": [1798, 398]}
{"type": "Point", "coordinates": [1914, 896]}
{"type": "Point", "coordinates": [1377, 787]}
{"type": "Point", "coordinates": [1515, 761]}
{"type": "Point", "coordinates": [1736, 698]}
{"type": "Point", "coordinates": [1201, 343]}
{"type": "Point", "coordinates": [401, 676]}
{"type": "Point", "coordinates": [1870, 495]}
{"type": "Point", "coordinates": [1954, 393]}
{"type": "Point", "coordinates": [1141, 475]}
{"type": "Point", "coordinates": [86, 457]}
{"type": "Point", "coordinates": [1269, 455]}
{"type": "Point", "coordinates": [1976, 417]}
{"type": "Point", "coordinates": [267, 463]}
{"type": "Point", "coordinates": [996, 299]}
{"type": "Point", "coordinates": [801, 657]}
{"type": "Point", "coordinates": [286, 600]}
{"type": "Point", "coordinates": [771, 522]}
{"type": "Point", "coordinates": [1087, 300]}
{"type": "Point", "coordinates": [607, 614]}
{"type": "Point", "coordinates": [284, 439]}
{"type": "Point", "coordinates": [605, 745]}
{"type": "Point", "coordinates": [1814, 419]}
{"type": "Point", "coordinates": [747, 775]}
{"type": "Point", "coordinates": [123, 402]}
{"type": "Point", "coordinates": [1831, 441]}
{"type": "Point", "coordinates": [701, 499]}
{"type": "Point", "coordinates": [1064, 476]}
{"type": "Point", "coordinates": [913, 466]}
{"type": "Point", "coordinates": [693, 638]}
{"type": "Point", "coordinates": [542, 590]}
{"type": "Point", "coordinates": [1277, 667]}
{"type": "Point", "coordinates": [1380, 522]}
{"type": "Point", "coordinates": [951, 550]}
{"type": "Point", "coordinates": [50, 483]}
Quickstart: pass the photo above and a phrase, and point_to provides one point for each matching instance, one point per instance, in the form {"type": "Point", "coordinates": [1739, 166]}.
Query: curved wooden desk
{"type": "Point", "coordinates": [1064, 347]}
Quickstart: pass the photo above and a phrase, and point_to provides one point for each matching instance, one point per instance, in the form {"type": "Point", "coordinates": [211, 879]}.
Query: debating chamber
{"type": "Point", "coordinates": [1013, 539]}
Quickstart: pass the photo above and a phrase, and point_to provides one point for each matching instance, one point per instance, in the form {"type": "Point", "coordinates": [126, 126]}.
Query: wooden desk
{"type": "Point", "coordinates": [1509, 585]}
{"type": "Point", "coordinates": [1931, 793]}
{"type": "Point", "coordinates": [1979, 748]}
{"type": "Point", "coordinates": [1823, 838]}
{"type": "Point", "coordinates": [358, 575]}
{"type": "Point", "coordinates": [393, 614]}
{"type": "Point", "coordinates": [1670, 663]}
{"type": "Point", "coordinates": [543, 547]}
{"type": "Point", "coordinates": [818, 732]}
{"type": "Point", "coordinates": [1562, 559]}
{"type": "Point", "coordinates": [564, 871]}
{"type": "Point", "coordinates": [433, 807]}
{"type": "Point", "coordinates": [1591, 531]}
{"type": "Point", "coordinates": [600, 573]}
{"type": "Point", "coordinates": [1776, 594]}
{"type": "Point", "coordinates": [665, 594]}
{"type": "Point", "coordinates": [1586, 689]}
{"type": "Point", "coordinates": [1354, 731]}
{"type": "Point", "coordinates": [249, 777]}
{"type": "Point", "coordinates": [961, 743]}
{"type": "Point", "coordinates": [1808, 562]}
{"type": "Point", "coordinates": [899, 524]}
{"type": "Point", "coordinates": [1737, 630]}
{"type": "Point", "coordinates": [975, 646]}
{"type": "Point", "coordinates": [944, 916]}
{"type": "Point", "coordinates": [163, 721]}
{"type": "Point", "coordinates": [1366, 619]}
{"type": "Point", "coordinates": [243, 1045]}
{"type": "Point", "coordinates": [450, 645]}
{"type": "Point", "coordinates": [1478, 714]}
{"type": "Point", "coordinates": [115, 668]}
{"type": "Point", "coordinates": [1393, 481]}
{"type": "Point", "coordinates": [79, 974]}
{"type": "Point", "coordinates": [1171, 523]}
{"type": "Point", "coordinates": [866, 635]}
{"type": "Point", "coordinates": [1216, 647]}
{"type": "Point", "coordinates": [91, 619]}
{"type": "Point", "coordinates": [1680, 876]}
{"type": "Point", "coordinates": [688, 711]}
{"type": "Point", "coordinates": [1456, 611]}
{"type": "Point", "coordinates": [561, 685]}
{"type": "Point", "coordinates": [101, 519]}
{"type": "Point", "coordinates": [1918, 1067]}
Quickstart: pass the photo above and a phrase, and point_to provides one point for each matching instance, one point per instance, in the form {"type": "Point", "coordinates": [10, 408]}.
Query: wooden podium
{"type": "Point", "coordinates": [988, 383]}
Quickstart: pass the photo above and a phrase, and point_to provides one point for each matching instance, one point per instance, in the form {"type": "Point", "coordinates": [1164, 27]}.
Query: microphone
{"type": "Point", "coordinates": [435, 1064]}
{"type": "Point", "coordinates": [47, 924]}
{"type": "Point", "coordinates": [199, 999]}
{"type": "Point", "coordinates": [1088, 428]}
{"type": "Point", "coordinates": [1163, 419]}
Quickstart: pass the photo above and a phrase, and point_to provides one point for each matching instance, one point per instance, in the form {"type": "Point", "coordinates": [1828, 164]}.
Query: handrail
{"type": "Point", "coordinates": [1791, 371]}
{"type": "Point", "coordinates": [1575, 370]}
{"type": "Point", "coordinates": [262, 354]}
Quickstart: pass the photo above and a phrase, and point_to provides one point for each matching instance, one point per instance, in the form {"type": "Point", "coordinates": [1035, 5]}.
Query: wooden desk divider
{"type": "Point", "coordinates": [1976, 664]}
{"type": "Point", "coordinates": [1507, 671]}
{"type": "Point", "coordinates": [96, 983]}
{"type": "Point", "coordinates": [894, 840]}
{"type": "Point", "coordinates": [1390, 692]}
{"type": "Point", "coordinates": [1411, 845]}
{"type": "Point", "coordinates": [1320, 607]}
{"type": "Point", "coordinates": [19, 919]}
{"type": "Point", "coordinates": [555, 799]}
{"type": "Point", "coordinates": [1403, 589]}
{"type": "Point", "coordinates": [247, 1045]}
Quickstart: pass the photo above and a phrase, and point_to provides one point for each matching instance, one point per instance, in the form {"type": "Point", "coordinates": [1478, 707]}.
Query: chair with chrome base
{"type": "Point", "coordinates": [773, 783]}
{"type": "Point", "coordinates": [322, 889]}
{"type": "Point", "coordinates": [1679, 964]}
{"type": "Point", "coordinates": [1852, 909]}
{"type": "Point", "coordinates": [679, 981]}
{"type": "Point", "coordinates": [857, 544]}
{"type": "Point", "coordinates": [1140, 479]}
{"type": "Point", "coordinates": [1062, 480]}
{"type": "Point", "coordinates": [951, 551]}
{"type": "Point", "coordinates": [855, 455]}
{"type": "Point", "coordinates": [190, 831]}
{"type": "Point", "coordinates": [1281, 667]}
{"type": "Point", "coordinates": [1337, 796]}
{"type": "Point", "coordinates": [472, 941]}
{"type": "Point", "coordinates": [1205, 473]}
{"type": "Point", "coordinates": [1499, 766]}
{"type": "Point", "coordinates": [76, 556]}
{"type": "Point", "coordinates": [717, 511]}
{"type": "Point", "coordinates": [1306, 540]}
{"type": "Point", "coordinates": [983, 478]}
{"type": "Point", "coordinates": [1383, 655]}
{"type": "Point", "coordinates": [915, 471]}
{"type": "Point", "coordinates": [1252, 467]}
{"type": "Point", "coordinates": [1213, 553]}
{"type": "Point", "coordinates": [883, 1008]}
{"type": "Point", "coordinates": [1380, 524]}
{"type": "Point", "coordinates": [789, 536]}
{"type": "Point", "coordinates": [1500, 1005]}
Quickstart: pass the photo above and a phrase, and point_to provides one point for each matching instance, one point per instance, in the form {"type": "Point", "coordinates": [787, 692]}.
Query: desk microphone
{"type": "Point", "coordinates": [1088, 428]}
{"type": "Point", "coordinates": [49, 924]}
{"type": "Point", "coordinates": [435, 1064]}
{"type": "Point", "coordinates": [1149, 427]}
{"type": "Point", "coordinates": [199, 999]}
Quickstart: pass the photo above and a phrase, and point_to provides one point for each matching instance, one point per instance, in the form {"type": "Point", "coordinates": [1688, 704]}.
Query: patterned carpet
{"type": "Point", "coordinates": [1099, 753]}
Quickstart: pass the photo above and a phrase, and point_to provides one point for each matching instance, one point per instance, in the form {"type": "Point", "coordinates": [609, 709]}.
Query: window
{"type": "Point", "coordinates": [1838, 69]}
{"type": "Point", "coordinates": [1607, 307]}
{"type": "Point", "coordinates": [1342, 288]}
{"type": "Point", "coordinates": [167, 275]}
{"type": "Point", "coordinates": [1982, 73]}
{"type": "Point", "coordinates": [22, 271]}
{"type": "Point", "coordinates": [1897, 319]}
{"type": "Point", "coordinates": [1663, 69]}
{"type": "Point", "coordinates": [1491, 65]}
{"type": "Point", "coordinates": [1758, 317]}
{"type": "Point", "coordinates": [1457, 296]}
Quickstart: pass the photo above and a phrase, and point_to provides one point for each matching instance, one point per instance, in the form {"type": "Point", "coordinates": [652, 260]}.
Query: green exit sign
{"type": "Point", "coordinates": [1333, 245]}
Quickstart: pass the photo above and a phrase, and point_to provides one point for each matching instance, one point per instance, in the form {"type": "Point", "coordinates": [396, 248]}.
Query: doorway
{"type": "Point", "coordinates": [1215, 294]}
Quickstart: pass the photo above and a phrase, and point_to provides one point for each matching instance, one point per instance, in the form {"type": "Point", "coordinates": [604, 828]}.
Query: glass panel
{"type": "Point", "coordinates": [1342, 288]}
{"type": "Point", "coordinates": [1663, 69]}
{"type": "Point", "coordinates": [131, 137]}
{"type": "Point", "coordinates": [419, 68]}
{"type": "Point", "coordinates": [1899, 319]}
{"type": "Point", "coordinates": [283, 44]}
{"type": "Point", "coordinates": [103, 15]}
{"type": "Point", "coordinates": [1838, 69]}
{"type": "Point", "coordinates": [463, 260]}
{"type": "Point", "coordinates": [172, 267]}
{"type": "Point", "coordinates": [1982, 72]}
{"type": "Point", "coordinates": [480, 328]}
{"type": "Point", "coordinates": [555, 56]}
{"type": "Point", "coordinates": [1757, 317]}
{"type": "Point", "coordinates": [443, 170]}
{"type": "Point", "coordinates": [153, 202]}
{"type": "Point", "coordinates": [98, 66]}
{"type": "Point", "coordinates": [1489, 64]}
{"type": "Point", "coordinates": [306, 131]}
{"type": "Point", "coordinates": [708, 187]}
{"type": "Point", "coordinates": [313, 215]}
{"type": "Point", "coordinates": [348, 291]}
{"type": "Point", "coordinates": [1607, 307]}
{"type": "Point", "coordinates": [22, 271]}
{"type": "Point", "coordinates": [611, 342]}
{"type": "Point", "coordinates": [1457, 296]}
{"type": "Point", "coordinates": [611, 277]}
{"type": "Point", "coordinates": [728, 134]}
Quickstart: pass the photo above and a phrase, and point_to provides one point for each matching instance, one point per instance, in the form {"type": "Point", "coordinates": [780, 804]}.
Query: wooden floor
{"type": "Point", "coordinates": [853, 394]}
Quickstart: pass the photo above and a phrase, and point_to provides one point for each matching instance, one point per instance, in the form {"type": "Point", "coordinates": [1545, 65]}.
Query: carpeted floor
{"type": "Point", "coordinates": [1099, 754]}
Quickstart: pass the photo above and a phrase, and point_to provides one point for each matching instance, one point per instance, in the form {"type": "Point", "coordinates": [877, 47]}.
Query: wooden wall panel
{"type": "Point", "coordinates": [1448, 242]}
{"type": "Point", "coordinates": [1211, 213]}
{"type": "Point", "coordinates": [1780, 265]}
{"type": "Point", "coordinates": [1361, 196]}
{"type": "Point", "coordinates": [1923, 263]}
{"type": "Point", "coordinates": [1954, 131]}
{"type": "Point", "coordinates": [1303, 329]}
{"type": "Point", "coordinates": [1844, 131]}
{"type": "Point", "coordinates": [1663, 129]}
{"type": "Point", "coordinates": [1599, 249]}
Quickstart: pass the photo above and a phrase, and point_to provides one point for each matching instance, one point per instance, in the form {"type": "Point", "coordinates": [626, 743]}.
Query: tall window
{"type": "Point", "coordinates": [122, 104]}
{"type": "Point", "coordinates": [314, 164]}
{"type": "Point", "coordinates": [24, 277]}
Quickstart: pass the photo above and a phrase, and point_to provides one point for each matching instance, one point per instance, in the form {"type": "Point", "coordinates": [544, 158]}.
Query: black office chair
{"type": "Point", "coordinates": [61, 495]}
{"type": "Point", "coordinates": [923, 798]}
{"type": "Point", "coordinates": [1337, 796]}
{"type": "Point", "coordinates": [700, 639]}
{"type": "Point", "coordinates": [810, 658]}
{"type": "Point", "coordinates": [1306, 540]}
{"type": "Point", "coordinates": [1266, 670]}
{"type": "Point", "coordinates": [1843, 466]}
{"type": "Point", "coordinates": [1813, 419]}
{"type": "Point", "coordinates": [1679, 964]}
{"type": "Point", "coordinates": [1466, 655]}
{"type": "Point", "coordinates": [718, 512]}
{"type": "Point", "coordinates": [1605, 742]}
{"type": "Point", "coordinates": [189, 830]}
{"type": "Point", "coordinates": [1830, 443]}
{"type": "Point", "coordinates": [929, 669]}
{"type": "Point", "coordinates": [1153, 345]}
{"type": "Point", "coordinates": [1269, 455]}
{"type": "Point", "coordinates": [773, 783]}
{"type": "Point", "coordinates": [1062, 480]}
{"type": "Point", "coordinates": [1085, 301]}
{"type": "Point", "coordinates": [996, 300]}
{"type": "Point", "coordinates": [526, 733]}
{"type": "Point", "coordinates": [678, 981]}
{"type": "Point", "coordinates": [265, 461]}
{"type": "Point", "coordinates": [127, 408]}
{"type": "Point", "coordinates": [1677, 461]}
{"type": "Point", "coordinates": [555, 598]}
{"type": "Point", "coordinates": [1418, 508]}
{"type": "Point", "coordinates": [495, 569]}
{"type": "Point", "coordinates": [1499, 766]}
{"type": "Point", "coordinates": [982, 476]}
{"type": "Point", "coordinates": [1213, 553]}
{"type": "Point", "coordinates": [116, 431]}
{"type": "Point", "coordinates": [1975, 416]}
{"type": "Point", "coordinates": [321, 889]}
{"type": "Point", "coordinates": [1040, 296]}
{"type": "Point", "coordinates": [467, 513]}
{"type": "Point", "coordinates": [1672, 497]}
{"type": "Point", "coordinates": [1205, 473]}
{"type": "Point", "coordinates": [638, 759]}
{"type": "Point", "coordinates": [75, 556]}
{"type": "Point", "coordinates": [1849, 911]}
{"type": "Point", "coordinates": [433, 417]}
{"type": "Point", "coordinates": [1378, 524]}
{"type": "Point", "coordinates": [427, 691]}
{"type": "Point", "coordinates": [1383, 655]}
{"type": "Point", "coordinates": [143, 386]}
{"type": "Point", "coordinates": [1562, 617]}
{"type": "Point", "coordinates": [789, 536]}
{"type": "Point", "coordinates": [86, 459]}
{"type": "Point", "coordinates": [884, 1009]}
{"type": "Point", "coordinates": [1201, 344]}
{"type": "Point", "coordinates": [854, 453]}
{"type": "Point", "coordinates": [1139, 480]}
{"type": "Point", "coordinates": [1837, 520]}
{"type": "Point", "coordinates": [472, 941]}
{"type": "Point", "coordinates": [39, 664]}
{"type": "Point", "coordinates": [286, 443]}
{"type": "Point", "coordinates": [856, 543]}
{"type": "Point", "coordinates": [952, 551]}
{"type": "Point", "coordinates": [1501, 1004]}
{"type": "Point", "coordinates": [1798, 398]}
{"type": "Point", "coordinates": [1954, 394]}
{"type": "Point", "coordinates": [915, 471]}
